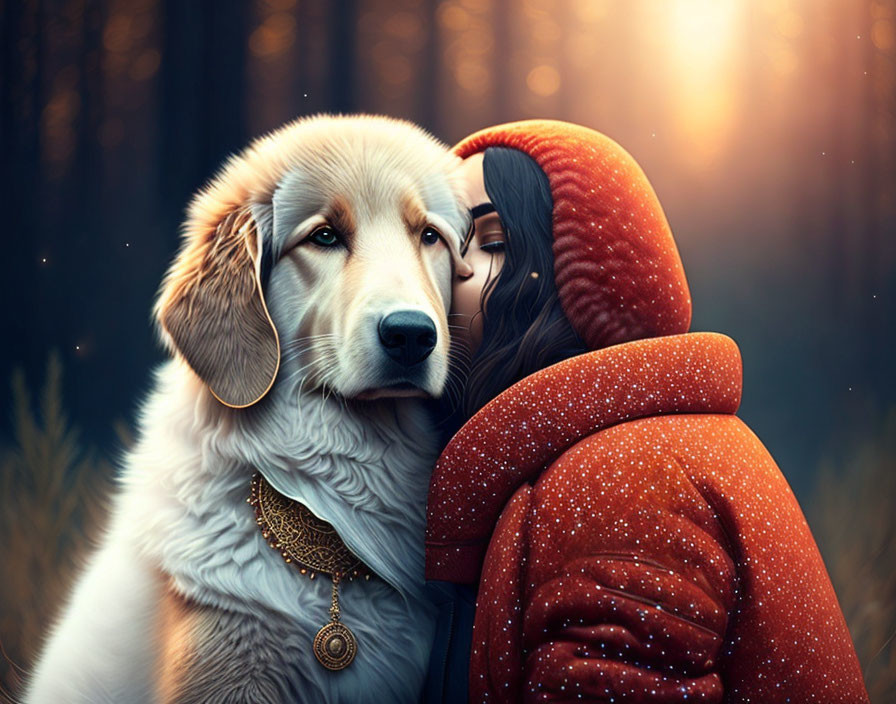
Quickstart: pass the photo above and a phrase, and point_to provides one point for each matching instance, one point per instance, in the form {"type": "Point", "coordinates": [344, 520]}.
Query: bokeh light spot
{"type": "Point", "coordinates": [543, 80]}
{"type": "Point", "coordinates": [472, 77]}
{"type": "Point", "coordinates": [453, 17]}
{"type": "Point", "coordinates": [146, 65]}
{"type": "Point", "coordinates": [273, 36]}
{"type": "Point", "coordinates": [883, 35]}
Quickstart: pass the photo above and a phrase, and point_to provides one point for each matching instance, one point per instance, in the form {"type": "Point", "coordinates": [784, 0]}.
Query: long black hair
{"type": "Point", "coordinates": [524, 328]}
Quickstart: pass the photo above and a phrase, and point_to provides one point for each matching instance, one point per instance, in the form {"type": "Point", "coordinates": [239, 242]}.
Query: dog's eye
{"type": "Point", "coordinates": [324, 237]}
{"type": "Point", "coordinates": [430, 236]}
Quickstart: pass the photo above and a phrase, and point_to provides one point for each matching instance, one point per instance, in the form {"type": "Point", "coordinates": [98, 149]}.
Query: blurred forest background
{"type": "Point", "coordinates": [766, 126]}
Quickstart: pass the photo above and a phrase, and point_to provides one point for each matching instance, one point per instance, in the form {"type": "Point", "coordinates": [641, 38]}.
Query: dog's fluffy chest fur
{"type": "Point", "coordinates": [183, 507]}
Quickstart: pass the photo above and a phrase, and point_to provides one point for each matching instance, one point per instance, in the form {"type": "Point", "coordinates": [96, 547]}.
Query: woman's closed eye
{"type": "Point", "coordinates": [490, 236]}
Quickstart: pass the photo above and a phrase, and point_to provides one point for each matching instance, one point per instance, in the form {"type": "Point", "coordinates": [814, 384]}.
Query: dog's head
{"type": "Point", "coordinates": [326, 248]}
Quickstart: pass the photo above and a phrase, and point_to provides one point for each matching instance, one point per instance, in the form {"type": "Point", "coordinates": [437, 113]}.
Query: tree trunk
{"type": "Point", "coordinates": [342, 43]}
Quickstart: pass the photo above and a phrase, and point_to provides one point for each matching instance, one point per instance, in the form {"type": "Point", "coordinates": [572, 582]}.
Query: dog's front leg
{"type": "Point", "coordinates": [104, 648]}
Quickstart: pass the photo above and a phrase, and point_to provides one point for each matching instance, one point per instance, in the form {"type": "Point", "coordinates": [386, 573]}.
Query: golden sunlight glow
{"type": "Point", "coordinates": [701, 30]}
{"type": "Point", "coordinates": [701, 37]}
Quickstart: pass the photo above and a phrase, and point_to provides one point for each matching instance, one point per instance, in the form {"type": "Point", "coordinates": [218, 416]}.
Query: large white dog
{"type": "Point", "coordinates": [305, 311]}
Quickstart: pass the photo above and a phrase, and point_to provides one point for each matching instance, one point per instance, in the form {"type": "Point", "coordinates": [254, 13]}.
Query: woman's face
{"type": "Point", "coordinates": [483, 252]}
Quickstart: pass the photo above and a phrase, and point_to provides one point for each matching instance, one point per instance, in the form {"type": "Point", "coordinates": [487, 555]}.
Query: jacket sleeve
{"type": "Point", "coordinates": [661, 560]}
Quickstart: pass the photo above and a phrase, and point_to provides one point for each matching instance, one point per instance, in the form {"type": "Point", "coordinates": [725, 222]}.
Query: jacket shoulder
{"type": "Point", "coordinates": [513, 438]}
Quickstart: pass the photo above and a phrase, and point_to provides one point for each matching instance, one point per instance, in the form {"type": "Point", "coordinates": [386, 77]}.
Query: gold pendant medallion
{"type": "Point", "coordinates": [313, 545]}
{"type": "Point", "coordinates": [335, 645]}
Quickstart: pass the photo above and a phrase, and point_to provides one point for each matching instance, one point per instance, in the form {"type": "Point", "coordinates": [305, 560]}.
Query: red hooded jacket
{"type": "Point", "coordinates": [631, 539]}
{"type": "Point", "coordinates": [634, 541]}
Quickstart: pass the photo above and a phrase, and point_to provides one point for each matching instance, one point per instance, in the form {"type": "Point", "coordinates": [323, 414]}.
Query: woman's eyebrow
{"type": "Point", "coordinates": [476, 213]}
{"type": "Point", "coordinates": [481, 209]}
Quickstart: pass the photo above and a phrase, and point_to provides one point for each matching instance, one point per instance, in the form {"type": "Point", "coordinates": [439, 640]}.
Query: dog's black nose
{"type": "Point", "coordinates": [408, 336]}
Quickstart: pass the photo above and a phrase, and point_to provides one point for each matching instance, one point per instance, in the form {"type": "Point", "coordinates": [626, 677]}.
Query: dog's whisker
{"type": "Point", "coordinates": [319, 380]}
{"type": "Point", "coordinates": [455, 385]}
{"type": "Point", "coordinates": [324, 356]}
{"type": "Point", "coordinates": [461, 363]}
{"type": "Point", "coordinates": [294, 373]}
{"type": "Point", "coordinates": [458, 353]}
{"type": "Point", "coordinates": [295, 350]}
{"type": "Point", "coordinates": [307, 340]}
{"type": "Point", "coordinates": [454, 390]}
{"type": "Point", "coordinates": [450, 394]}
{"type": "Point", "coordinates": [291, 356]}
{"type": "Point", "coordinates": [458, 346]}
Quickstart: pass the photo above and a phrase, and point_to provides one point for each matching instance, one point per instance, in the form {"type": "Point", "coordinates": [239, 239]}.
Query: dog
{"type": "Point", "coordinates": [306, 314]}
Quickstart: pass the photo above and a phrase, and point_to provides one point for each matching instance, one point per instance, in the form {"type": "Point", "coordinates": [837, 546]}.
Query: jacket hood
{"type": "Point", "coordinates": [616, 266]}
{"type": "Point", "coordinates": [523, 430]}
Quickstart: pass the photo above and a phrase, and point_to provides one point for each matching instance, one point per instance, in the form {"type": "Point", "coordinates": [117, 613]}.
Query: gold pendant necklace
{"type": "Point", "coordinates": [312, 545]}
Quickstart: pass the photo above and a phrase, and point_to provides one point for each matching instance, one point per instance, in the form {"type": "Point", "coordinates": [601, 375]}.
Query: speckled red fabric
{"type": "Point", "coordinates": [616, 265]}
{"type": "Point", "coordinates": [648, 548]}
{"type": "Point", "coordinates": [515, 436]}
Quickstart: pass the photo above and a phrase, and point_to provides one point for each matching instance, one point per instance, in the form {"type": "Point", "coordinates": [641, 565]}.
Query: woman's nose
{"type": "Point", "coordinates": [464, 270]}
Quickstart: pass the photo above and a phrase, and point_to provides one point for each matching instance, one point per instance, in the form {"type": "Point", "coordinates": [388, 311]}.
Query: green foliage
{"type": "Point", "coordinates": [52, 499]}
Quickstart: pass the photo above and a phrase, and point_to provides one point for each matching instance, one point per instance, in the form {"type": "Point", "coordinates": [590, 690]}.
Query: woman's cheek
{"type": "Point", "coordinates": [464, 302]}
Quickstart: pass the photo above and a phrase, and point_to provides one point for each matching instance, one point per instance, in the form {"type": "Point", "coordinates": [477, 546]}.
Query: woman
{"type": "Point", "coordinates": [628, 537]}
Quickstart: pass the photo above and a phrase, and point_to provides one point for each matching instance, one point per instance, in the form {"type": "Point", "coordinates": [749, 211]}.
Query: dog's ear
{"type": "Point", "coordinates": [212, 307]}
